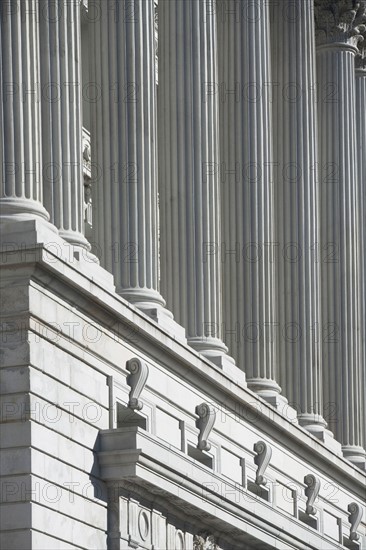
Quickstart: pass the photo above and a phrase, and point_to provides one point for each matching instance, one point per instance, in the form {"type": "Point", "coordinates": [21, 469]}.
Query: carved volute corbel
{"type": "Point", "coordinates": [339, 21]}
{"type": "Point", "coordinates": [262, 458]}
{"type": "Point", "coordinates": [137, 378]}
{"type": "Point", "coordinates": [311, 492]}
{"type": "Point", "coordinates": [205, 423]}
{"type": "Point", "coordinates": [355, 516]}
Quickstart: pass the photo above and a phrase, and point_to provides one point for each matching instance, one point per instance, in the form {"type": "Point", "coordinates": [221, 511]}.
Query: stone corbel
{"type": "Point", "coordinates": [137, 378]}
{"type": "Point", "coordinates": [311, 492]}
{"type": "Point", "coordinates": [262, 459]}
{"type": "Point", "coordinates": [205, 423]}
{"type": "Point", "coordinates": [355, 516]}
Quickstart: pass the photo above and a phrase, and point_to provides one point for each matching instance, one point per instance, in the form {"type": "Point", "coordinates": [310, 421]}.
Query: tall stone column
{"type": "Point", "coordinates": [361, 163]}
{"type": "Point", "coordinates": [246, 172]}
{"type": "Point", "coordinates": [61, 83]}
{"type": "Point", "coordinates": [338, 33]}
{"type": "Point", "coordinates": [20, 115]}
{"type": "Point", "coordinates": [189, 171]}
{"type": "Point", "coordinates": [297, 209]}
{"type": "Point", "coordinates": [123, 141]}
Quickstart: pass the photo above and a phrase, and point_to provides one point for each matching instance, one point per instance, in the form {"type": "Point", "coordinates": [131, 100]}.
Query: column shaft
{"type": "Point", "coordinates": [188, 170]}
{"type": "Point", "coordinates": [20, 116]}
{"type": "Point", "coordinates": [361, 163]}
{"type": "Point", "coordinates": [60, 36]}
{"type": "Point", "coordinates": [297, 209]}
{"type": "Point", "coordinates": [340, 236]}
{"type": "Point", "coordinates": [123, 141]}
{"type": "Point", "coordinates": [247, 191]}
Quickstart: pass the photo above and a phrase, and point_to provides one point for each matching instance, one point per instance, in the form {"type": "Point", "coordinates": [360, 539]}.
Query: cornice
{"type": "Point", "coordinates": [134, 455]}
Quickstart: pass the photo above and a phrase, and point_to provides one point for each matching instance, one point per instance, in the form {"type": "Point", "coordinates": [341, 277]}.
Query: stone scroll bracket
{"type": "Point", "coordinates": [354, 518]}
{"type": "Point", "coordinates": [311, 492]}
{"type": "Point", "coordinates": [137, 378]}
{"type": "Point", "coordinates": [262, 459]}
{"type": "Point", "coordinates": [206, 420]}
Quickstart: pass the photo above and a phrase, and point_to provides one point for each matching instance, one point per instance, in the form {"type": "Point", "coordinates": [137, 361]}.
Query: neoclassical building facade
{"type": "Point", "coordinates": [183, 297]}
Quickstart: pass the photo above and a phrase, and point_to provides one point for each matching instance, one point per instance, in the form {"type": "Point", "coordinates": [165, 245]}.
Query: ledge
{"type": "Point", "coordinates": [80, 282]}
{"type": "Point", "coordinates": [135, 456]}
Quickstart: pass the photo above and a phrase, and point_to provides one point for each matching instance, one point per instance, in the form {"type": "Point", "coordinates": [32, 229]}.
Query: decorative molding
{"type": "Point", "coordinates": [143, 524]}
{"type": "Point", "coordinates": [179, 540]}
{"type": "Point", "coordinates": [137, 378]}
{"type": "Point", "coordinates": [86, 153]}
{"type": "Point", "coordinates": [340, 21]}
{"type": "Point", "coordinates": [205, 423]}
{"type": "Point", "coordinates": [311, 492]}
{"type": "Point", "coordinates": [88, 208]}
{"type": "Point", "coordinates": [156, 36]}
{"type": "Point", "coordinates": [161, 467]}
{"type": "Point", "coordinates": [262, 459]}
{"type": "Point", "coordinates": [360, 60]}
{"type": "Point", "coordinates": [355, 516]}
{"type": "Point", "coordinates": [204, 542]}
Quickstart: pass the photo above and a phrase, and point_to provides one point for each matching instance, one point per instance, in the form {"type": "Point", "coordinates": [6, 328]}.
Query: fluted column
{"type": "Point", "coordinates": [246, 174]}
{"type": "Point", "coordinates": [188, 176]}
{"type": "Point", "coordinates": [361, 163]}
{"type": "Point", "coordinates": [297, 209]}
{"type": "Point", "coordinates": [123, 140]}
{"type": "Point", "coordinates": [337, 38]}
{"type": "Point", "coordinates": [189, 171]}
{"type": "Point", "coordinates": [20, 116]}
{"type": "Point", "coordinates": [61, 84]}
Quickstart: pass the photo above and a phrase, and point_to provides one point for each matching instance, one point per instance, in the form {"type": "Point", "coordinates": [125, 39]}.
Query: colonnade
{"type": "Point", "coordinates": [215, 158]}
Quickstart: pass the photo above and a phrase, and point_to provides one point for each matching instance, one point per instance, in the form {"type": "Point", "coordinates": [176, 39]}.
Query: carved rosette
{"type": "Point", "coordinates": [340, 21]}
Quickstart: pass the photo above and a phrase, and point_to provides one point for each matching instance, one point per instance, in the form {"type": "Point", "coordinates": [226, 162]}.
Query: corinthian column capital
{"type": "Point", "coordinates": [361, 56]}
{"type": "Point", "coordinates": [340, 21]}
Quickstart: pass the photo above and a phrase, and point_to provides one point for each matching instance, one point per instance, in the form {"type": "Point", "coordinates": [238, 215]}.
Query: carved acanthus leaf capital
{"type": "Point", "coordinates": [204, 542]}
{"type": "Point", "coordinates": [340, 21]}
{"type": "Point", "coordinates": [361, 56]}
